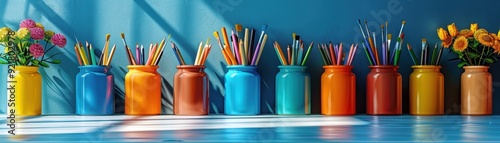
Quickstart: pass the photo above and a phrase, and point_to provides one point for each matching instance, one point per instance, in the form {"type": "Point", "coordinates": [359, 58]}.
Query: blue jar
{"type": "Point", "coordinates": [242, 91]}
{"type": "Point", "coordinates": [293, 90]}
{"type": "Point", "coordinates": [94, 91]}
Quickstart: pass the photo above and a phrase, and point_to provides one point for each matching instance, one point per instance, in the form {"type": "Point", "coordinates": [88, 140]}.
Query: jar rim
{"type": "Point", "coordinates": [191, 67]}
{"type": "Point", "coordinates": [291, 67]}
{"type": "Point", "coordinates": [26, 67]}
{"type": "Point", "coordinates": [383, 66]}
{"type": "Point", "coordinates": [94, 66]}
{"type": "Point", "coordinates": [142, 66]}
{"type": "Point", "coordinates": [476, 67]}
{"type": "Point", "coordinates": [425, 67]}
{"type": "Point", "coordinates": [241, 66]}
{"type": "Point", "coordinates": [338, 66]}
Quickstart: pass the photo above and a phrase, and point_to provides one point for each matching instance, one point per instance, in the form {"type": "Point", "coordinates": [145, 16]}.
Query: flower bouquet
{"type": "Point", "coordinates": [24, 46]}
{"type": "Point", "coordinates": [473, 46]}
{"type": "Point", "coordinates": [477, 49]}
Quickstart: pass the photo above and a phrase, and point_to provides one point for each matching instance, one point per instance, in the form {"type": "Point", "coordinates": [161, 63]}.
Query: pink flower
{"type": "Point", "coordinates": [59, 40]}
{"type": "Point", "coordinates": [37, 33]}
{"type": "Point", "coordinates": [27, 23]}
{"type": "Point", "coordinates": [36, 50]}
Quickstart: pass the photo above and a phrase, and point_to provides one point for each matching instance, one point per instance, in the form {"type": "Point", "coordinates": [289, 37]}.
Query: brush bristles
{"type": "Point", "coordinates": [264, 27]}
{"type": "Point", "coordinates": [238, 27]}
{"type": "Point", "coordinates": [389, 36]}
{"type": "Point", "coordinates": [404, 22]}
{"type": "Point", "coordinates": [216, 34]}
{"type": "Point", "coordinates": [382, 26]}
{"type": "Point", "coordinates": [424, 40]}
{"type": "Point", "coordinates": [123, 35]}
{"type": "Point", "coordinates": [107, 37]}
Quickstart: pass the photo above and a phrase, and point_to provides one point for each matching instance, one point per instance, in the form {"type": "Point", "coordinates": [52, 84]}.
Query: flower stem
{"type": "Point", "coordinates": [47, 50]}
{"type": "Point", "coordinates": [481, 57]}
{"type": "Point", "coordinates": [466, 55]}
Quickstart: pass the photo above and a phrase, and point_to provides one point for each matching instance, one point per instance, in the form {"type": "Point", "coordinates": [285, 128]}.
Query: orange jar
{"type": "Point", "coordinates": [191, 88]}
{"type": "Point", "coordinates": [338, 91]}
{"type": "Point", "coordinates": [142, 90]}
{"type": "Point", "coordinates": [383, 91]}
{"type": "Point", "coordinates": [476, 91]}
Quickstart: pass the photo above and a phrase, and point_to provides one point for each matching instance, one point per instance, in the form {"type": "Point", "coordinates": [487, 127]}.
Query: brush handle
{"type": "Point", "coordinates": [439, 56]}
{"type": "Point", "coordinates": [384, 54]}
{"type": "Point", "coordinates": [370, 51]}
{"type": "Point", "coordinates": [413, 56]}
{"type": "Point", "coordinates": [434, 52]}
{"type": "Point", "coordinates": [368, 56]}
{"type": "Point", "coordinates": [391, 60]}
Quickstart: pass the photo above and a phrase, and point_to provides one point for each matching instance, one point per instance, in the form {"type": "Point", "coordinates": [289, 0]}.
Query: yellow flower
{"type": "Point", "coordinates": [446, 43]}
{"type": "Point", "coordinates": [39, 25]}
{"type": "Point", "coordinates": [6, 50]}
{"type": "Point", "coordinates": [443, 35]}
{"type": "Point", "coordinates": [23, 34]}
{"type": "Point", "coordinates": [498, 35]}
{"type": "Point", "coordinates": [494, 36]}
{"type": "Point", "coordinates": [496, 46]}
{"type": "Point", "coordinates": [479, 32]}
{"type": "Point", "coordinates": [465, 32]}
{"type": "Point", "coordinates": [460, 44]}
{"type": "Point", "coordinates": [4, 34]}
{"type": "Point", "coordinates": [453, 30]}
{"type": "Point", "coordinates": [473, 27]}
{"type": "Point", "coordinates": [486, 39]}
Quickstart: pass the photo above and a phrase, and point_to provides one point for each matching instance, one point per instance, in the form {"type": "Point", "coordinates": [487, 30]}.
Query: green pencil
{"type": "Point", "coordinates": [322, 55]}
{"type": "Point", "coordinates": [307, 54]}
{"type": "Point", "coordinates": [367, 54]}
{"type": "Point", "coordinates": [92, 55]}
{"type": "Point", "coordinates": [434, 54]}
{"type": "Point", "coordinates": [412, 54]}
{"type": "Point", "coordinates": [396, 57]}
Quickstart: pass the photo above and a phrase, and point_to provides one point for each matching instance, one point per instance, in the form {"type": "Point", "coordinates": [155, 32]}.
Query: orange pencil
{"type": "Point", "coordinates": [78, 55]}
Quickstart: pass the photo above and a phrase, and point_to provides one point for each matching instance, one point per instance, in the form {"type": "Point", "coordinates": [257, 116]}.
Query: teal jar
{"type": "Point", "coordinates": [293, 90]}
{"type": "Point", "coordinates": [242, 91]}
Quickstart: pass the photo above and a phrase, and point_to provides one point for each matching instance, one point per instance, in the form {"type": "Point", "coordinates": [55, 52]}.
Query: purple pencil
{"type": "Point", "coordinates": [384, 54]}
{"type": "Point", "coordinates": [235, 46]}
{"type": "Point", "coordinates": [257, 48]}
{"type": "Point", "coordinates": [137, 54]}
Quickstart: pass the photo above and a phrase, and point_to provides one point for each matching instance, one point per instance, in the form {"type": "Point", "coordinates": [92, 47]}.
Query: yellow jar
{"type": "Point", "coordinates": [426, 90]}
{"type": "Point", "coordinates": [28, 91]}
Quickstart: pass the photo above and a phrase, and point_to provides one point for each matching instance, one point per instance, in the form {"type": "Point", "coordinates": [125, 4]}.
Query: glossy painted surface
{"type": "Point", "coordinates": [264, 128]}
{"type": "Point", "coordinates": [293, 90]}
{"type": "Point", "coordinates": [94, 91]}
{"type": "Point", "coordinates": [338, 91]}
{"type": "Point", "coordinates": [476, 91]}
{"type": "Point", "coordinates": [191, 95]}
{"type": "Point", "coordinates": [383, 91]}
{"type": "Point", "coordinates": [142, 91]}
{"type": "Point", "coordinates": [28, 91]}
{"type": "Point", "coordinates": [426, 91]}
{"type": "Point", "coordinates": [242, 91]}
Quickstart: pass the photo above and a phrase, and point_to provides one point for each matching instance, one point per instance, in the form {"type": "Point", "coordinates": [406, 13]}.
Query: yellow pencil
{"type": "Point", "coordinates": [261, 49]}
{"type": "Point", "coordinates": [108, 61]}
{"type": "Point", "coordinates": [198, 54]}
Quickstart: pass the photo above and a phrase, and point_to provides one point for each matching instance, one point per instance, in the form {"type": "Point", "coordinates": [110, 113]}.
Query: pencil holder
{"type": "Point", "coordinates": [191, 88]}
{"type": "Point", "coordinates": [142, 90]}
{"type": "Point", "coordinates": [293, 90]}
{"type": "Point", "coordinates": [383, 90]}
{"type": "Point", "coordinates": [94, 91]}
{"type": "Point", "coordinates": [338, 91]}
{"type": "Point", "coordinates": [242, 90]}
{"type": "Point", "coordinates": [426, 90]}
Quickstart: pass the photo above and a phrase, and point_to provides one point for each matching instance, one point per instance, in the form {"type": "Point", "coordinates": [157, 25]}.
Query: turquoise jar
{"type": "Point", "coordinates": [242, 96]}
{"type": "Point", "coordinates": [293, 90]}
{"type": "Point", "coordinates": [94, 91]}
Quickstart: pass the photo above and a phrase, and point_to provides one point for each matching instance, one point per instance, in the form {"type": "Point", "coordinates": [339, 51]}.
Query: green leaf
{"type": "Point", "coordinates": [489, 60]}
{"type": "Point", "coordinates": [43, 64]}
{"type": "Point", "coordinates": [55, 62]}
{"type": "Point", "coordinates": [462, 64]}
{"type": "Point", "coordinates": [473, 55]}
{"type": "Point", "coordinates": [35, 62]}
{"type": "Point", "coordinates": [22, 60]}
{"type": "Point", "coordinates": [3, 61]}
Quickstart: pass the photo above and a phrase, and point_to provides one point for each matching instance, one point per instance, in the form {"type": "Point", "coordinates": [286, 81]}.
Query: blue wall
{"type": "Point", "coordinates": [190, 22]}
